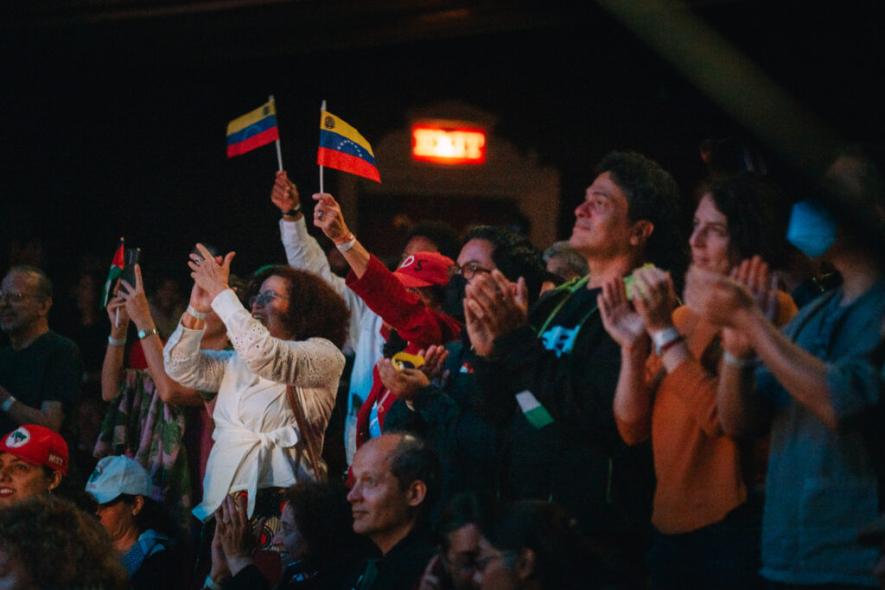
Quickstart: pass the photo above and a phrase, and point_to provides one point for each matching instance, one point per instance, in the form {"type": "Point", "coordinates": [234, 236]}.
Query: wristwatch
{"type": "Point", "coordinates": [142, 334]}
{"type": "Point", "coordinates": [293, 211]}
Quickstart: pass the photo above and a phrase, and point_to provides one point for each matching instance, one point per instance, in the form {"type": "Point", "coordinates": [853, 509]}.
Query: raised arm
{"type": "Point", "coordinates": [302, 249]}
{"type": "Point", "coordinates": [114, 354]}
{"type": "Point", "coordinates": [309, 363]}
{"type": "Point", "coordinates": [304, 252]}
{"type": "Point", "coordinates": [807, 378]}
{"type": "Point", "coordinates": [328, 217]}
{"type": "Point", "coordinates": [138, 309]}
{"type": "Point", "coordinates": [183, 360]}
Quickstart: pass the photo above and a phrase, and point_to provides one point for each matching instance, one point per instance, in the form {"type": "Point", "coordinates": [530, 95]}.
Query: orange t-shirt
{"type": "Point", "coordinates": [699, 469]}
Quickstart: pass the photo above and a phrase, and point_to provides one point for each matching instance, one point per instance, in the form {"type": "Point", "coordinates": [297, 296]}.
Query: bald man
{"type": "Point", "coordinates": [395, 479]}
{"type": "Point", "coordinates": [40, 371]}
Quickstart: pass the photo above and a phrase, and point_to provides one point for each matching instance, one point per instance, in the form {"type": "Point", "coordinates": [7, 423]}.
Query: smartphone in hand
{"type": "Point", "coordinates": [133, 257]}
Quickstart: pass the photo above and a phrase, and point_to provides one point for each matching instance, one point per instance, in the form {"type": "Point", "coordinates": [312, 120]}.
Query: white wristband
{"type": "Point", "coordinates": [664, 337]}
{"type": "Point", "coordinates": [348, 245]}
{"type": "Point", "coordinates": [116, 341]}
{"type": "Point", "coordinates": [7, 403]}
{"type": "Point", "coordinates": [734, 361]}
{"type": "Point", "coordinates": [197, 315]}
{"type": "Point", "coordinates": [211, 584]}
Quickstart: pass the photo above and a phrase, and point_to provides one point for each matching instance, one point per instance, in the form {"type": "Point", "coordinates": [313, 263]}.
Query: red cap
{"type": "Point", "coordinates": [37, 445]}
{"type": "Point", "coordinates": [424, 269]}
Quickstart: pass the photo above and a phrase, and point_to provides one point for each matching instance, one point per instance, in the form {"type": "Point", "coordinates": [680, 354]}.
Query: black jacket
{"type": "Point", "coordinates": [568, 362]}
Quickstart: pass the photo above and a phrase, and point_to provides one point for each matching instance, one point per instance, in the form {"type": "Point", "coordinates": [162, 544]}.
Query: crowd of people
{"type": "Point", "coordinates": [685, 393]}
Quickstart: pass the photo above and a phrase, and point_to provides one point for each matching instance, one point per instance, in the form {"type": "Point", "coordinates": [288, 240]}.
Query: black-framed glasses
{"type": "Point", "coordinates": [264, 298]}
{"type": "Point", "coordinates": [469, 270]}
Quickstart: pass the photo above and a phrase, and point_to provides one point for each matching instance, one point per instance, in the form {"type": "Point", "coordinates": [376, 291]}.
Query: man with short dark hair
{"type": "Point", "coordinates": [552, 373]}
{"type": "Point", "coordinates": [395, 477]}
{"type": "Point", "coordinates": [40, 371]}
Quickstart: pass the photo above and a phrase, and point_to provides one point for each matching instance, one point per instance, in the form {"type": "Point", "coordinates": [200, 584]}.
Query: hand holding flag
{"type": "Point", "coordinates": [328, 217]}
{"type": "Point", "coordinates": [114, 272]}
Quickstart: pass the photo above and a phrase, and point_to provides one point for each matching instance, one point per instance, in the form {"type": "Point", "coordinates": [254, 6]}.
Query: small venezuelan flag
{"type": "Point", "coordinates": [252, 130]}
{"type": "Point", "coordinates": [343, 148]}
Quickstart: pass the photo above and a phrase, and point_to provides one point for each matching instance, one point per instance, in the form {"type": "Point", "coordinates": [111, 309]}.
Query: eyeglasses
{"type": "Point", "coordinates": [13, 296]}
{"type": "Point", "coordinates": [469, 270]}
{"type": "Point", "coordinates": [264, 298]}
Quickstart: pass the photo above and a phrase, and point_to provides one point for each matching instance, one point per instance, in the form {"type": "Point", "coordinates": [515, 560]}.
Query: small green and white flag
{"type": "Point", "coordinates": [535, 413]}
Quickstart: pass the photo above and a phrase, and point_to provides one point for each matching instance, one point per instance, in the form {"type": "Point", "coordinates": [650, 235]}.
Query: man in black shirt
{"type": "Point", "coordinates": [40, 371]}
{"type": "Point", "coordinates": [395, 477]}
{"type": "Point", "coordinates": [553, 370]}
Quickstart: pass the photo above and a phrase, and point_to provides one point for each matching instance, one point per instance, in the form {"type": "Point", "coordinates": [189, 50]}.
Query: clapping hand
{"type": "Point", "coordinates": [434, 362]}
{"type": "Point", "coordinates": [403, 383]}
{"type": "Point", "coordinates": [208, 272]}
{"type": "Point", "coordinates": [654, 297]}
{"type": "Point", "coordinates": [754, 275]}
{"type": "Point", "coordinates": [493, 306]}
{"type": "Point", "coordinates": [234, 534]}
{"type": "Point", "coordinates": [622, 323]}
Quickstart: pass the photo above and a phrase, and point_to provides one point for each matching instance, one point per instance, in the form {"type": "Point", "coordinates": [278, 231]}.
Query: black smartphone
{"type": "Point", "coordinates": [133, 257]}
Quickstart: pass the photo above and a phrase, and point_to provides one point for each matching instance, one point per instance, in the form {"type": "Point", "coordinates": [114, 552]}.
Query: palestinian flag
{"type": "Point", "coordinates": [536, 414]}
{"type": "Point", "coordinates": [117, 265]}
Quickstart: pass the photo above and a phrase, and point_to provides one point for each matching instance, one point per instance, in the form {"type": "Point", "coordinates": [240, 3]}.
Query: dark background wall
{"type": "Point", "coordinates": [114, 118]}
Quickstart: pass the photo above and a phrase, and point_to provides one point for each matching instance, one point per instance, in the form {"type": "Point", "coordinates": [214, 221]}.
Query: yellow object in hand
{"type": "Point", "coordinates": [404, 360]}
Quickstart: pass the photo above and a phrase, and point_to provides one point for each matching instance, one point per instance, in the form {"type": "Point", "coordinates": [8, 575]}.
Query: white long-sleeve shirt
{"type": "Point", "coordinates": [364, 335]}
{"type": "Point", "coordinates": [256, 435]}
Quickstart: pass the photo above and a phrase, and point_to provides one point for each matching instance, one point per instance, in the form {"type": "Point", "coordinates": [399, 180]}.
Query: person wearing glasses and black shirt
{"type": "Point", "coordinates": [40, 370]}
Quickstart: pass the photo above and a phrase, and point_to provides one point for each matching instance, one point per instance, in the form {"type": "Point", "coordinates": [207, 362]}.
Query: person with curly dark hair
{"type": "Point", "coordinates": [47, 543]}
{"type": "Point", "coordinates": [365, 333]}
{"type": "Point", "coordinates": [276, 389]}
{"type": "Point", "coordinates": [316, 313]}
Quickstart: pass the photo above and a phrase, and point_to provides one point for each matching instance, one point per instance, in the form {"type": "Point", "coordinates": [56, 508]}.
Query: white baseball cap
{"type": "Point", "coordinates": [118, 475]}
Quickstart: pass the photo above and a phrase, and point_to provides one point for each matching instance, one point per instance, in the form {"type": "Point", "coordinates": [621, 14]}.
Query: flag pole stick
{"type": "Point", "coordinates": [279, 151]}
{"type": "Point", "coordinates": [322, 110]}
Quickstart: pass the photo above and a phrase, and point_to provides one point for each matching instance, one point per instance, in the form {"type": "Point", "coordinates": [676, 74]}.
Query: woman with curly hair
{"type": "Point", "coordinates": [276, 389]}
{"type": "Point", "coordinates": [47, 543]}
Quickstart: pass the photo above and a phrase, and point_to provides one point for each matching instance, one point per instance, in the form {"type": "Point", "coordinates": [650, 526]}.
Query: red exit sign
{"type": "Point", "coordinates": [448, 145]}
